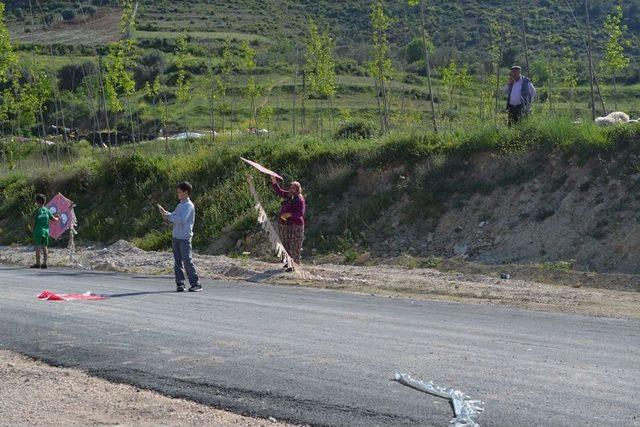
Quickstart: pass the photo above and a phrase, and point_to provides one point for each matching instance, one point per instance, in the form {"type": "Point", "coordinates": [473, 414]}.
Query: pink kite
{"type": "Point", "coordinates": [50, 296]}
{"type": "Point", "coordinates": [261, 168]}
{"type": "Point", "coordinates": [63, 208]}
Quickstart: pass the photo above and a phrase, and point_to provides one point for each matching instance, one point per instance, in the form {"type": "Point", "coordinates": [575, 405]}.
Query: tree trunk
{"type": "Point", "coordinates": [211, 102]}
{"type": "Point", "coordinates": [524, 38]}
{"type": "Point", "coordinates": [295, 93]}
{"type": "Point", "coordinates": [571, 102]}
{"type": "Point", "coordinates": [615, 94]}
{"type": "Point", "coordinates": [277, 125]}
{"type": "Point", "coordinates": [497, 93]}
{"type": "Point", "coordinates": [428, 66]}
{"type": "Point", "coordinates": [590, 60]}
{"type": "Point", "coordinates": [303, 123]}
{"type": "Point", "coordinates": [106, 107]}
{"type": "Point", "coordinates": [133, 130]}
{"type": "Point", "coordinates": [550, 94]}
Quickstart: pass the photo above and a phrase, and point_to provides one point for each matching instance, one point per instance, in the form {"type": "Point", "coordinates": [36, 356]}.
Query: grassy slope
{"type": "Point", "coordinates": [116, 198]}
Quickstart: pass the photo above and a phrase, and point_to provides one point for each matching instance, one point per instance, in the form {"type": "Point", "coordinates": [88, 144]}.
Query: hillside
{"type": "Point", "coordinates": [556, 190]}
{"type": "Point", "coordinates": [456, 28]}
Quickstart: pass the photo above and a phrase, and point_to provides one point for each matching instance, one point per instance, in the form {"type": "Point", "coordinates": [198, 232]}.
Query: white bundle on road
{"type": "Point", "coordinates": [465, 409]}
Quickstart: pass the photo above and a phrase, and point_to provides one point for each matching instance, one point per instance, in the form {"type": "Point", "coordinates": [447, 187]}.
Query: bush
{"type": "Point", "coordinates": [154, 241]}
{"type": "Point", "coordinates": [148, 68]}
{"type": "Point", "coordinates": [71, 76]}
{"type": "Point", "coordinates": [68, 14]}
{"type": "Point", "coordinates": [355, 130]}
{"type": "Point", "coordinates": [48, 18]}
{"type": "Point", "coordinates": [19, 14]}
{"type": "Point", "coordinates": [88, 9]}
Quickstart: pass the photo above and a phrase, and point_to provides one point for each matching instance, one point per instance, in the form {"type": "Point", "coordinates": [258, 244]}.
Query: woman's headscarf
{"type": "Point", "coordinates": [298, 188]}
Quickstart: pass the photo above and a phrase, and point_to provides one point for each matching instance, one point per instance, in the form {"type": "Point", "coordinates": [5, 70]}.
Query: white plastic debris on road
{"type": "Point", "coordinates": [465, 409]}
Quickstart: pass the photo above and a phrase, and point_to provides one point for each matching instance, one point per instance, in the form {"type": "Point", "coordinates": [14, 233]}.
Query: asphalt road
{"type": "Point", "coordinates": [326, 358]}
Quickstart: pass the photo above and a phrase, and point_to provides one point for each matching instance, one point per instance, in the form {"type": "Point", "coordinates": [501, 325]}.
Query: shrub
{"type": "Point", "coordinates": [88, 9]}
{"type": "Point", "coordinates": [18, 13]}
{"type": "Point", "coordinates": [71, 76]}
{"type": "Point", "coordinates": [49, 18]}
{"type": "Point", "coordinates": [154, 241]}
{"type": "Point", "coordinates": [355, 130]}
{"type": "Point", "coordinates": [149, 66]}
{"type": "Point", "coordinates": [68, 14]}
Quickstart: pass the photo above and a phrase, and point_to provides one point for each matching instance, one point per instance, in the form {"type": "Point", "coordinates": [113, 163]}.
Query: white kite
{"type": "Point", "coordinates": [261, 168]}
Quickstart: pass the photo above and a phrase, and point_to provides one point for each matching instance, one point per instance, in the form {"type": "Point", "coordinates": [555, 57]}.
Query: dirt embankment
{"type": "Point", "coordinates": [527, 287]}
{"type": "Point", "coordinates": [497, 209]}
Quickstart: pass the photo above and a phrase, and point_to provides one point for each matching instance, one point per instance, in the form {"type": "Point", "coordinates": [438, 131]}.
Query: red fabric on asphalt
{"type": "Point", "coordinates": [51, 296]}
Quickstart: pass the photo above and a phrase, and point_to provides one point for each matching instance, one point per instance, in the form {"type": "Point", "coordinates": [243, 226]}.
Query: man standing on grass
{"type": "Point", "coordinates": [520, 95]}
{"type": "Point", "coordinates": [183, 219]}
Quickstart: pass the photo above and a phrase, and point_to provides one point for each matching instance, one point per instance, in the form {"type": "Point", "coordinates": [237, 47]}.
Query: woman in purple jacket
{"type": "Point", "coordinates": [292, 211]}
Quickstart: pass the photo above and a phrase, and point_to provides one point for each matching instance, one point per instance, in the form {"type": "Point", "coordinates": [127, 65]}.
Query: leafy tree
{"type": "Point", "coordinates": [320, 67]}
{"type": "Point", "coordinates": [33, 96]}
{"type": "Point", "coordinates": [119, 64]}
{"type": "Point", "coordinates": [448, 77]}
{"type": "Point", "coordinates": [265, 114]}
{"type": "Point", "coordinates": [454, 79]}
{"type": "Point", "coordinates": [119, 80]}
{"type": "Point", "coordinates": [183, 85]}
{"type": "Point", "coordinates": [253, 90]}
{"type": "Point", "coordinates": [462, 81]}
{"type": "Point", "coordinates": [128, 20]}
{"type": "Point", "coordinates": [312, 65]}
{"type": "Point", "coordinates": [381, 66]}
{"type": "Point", "coordinates": [8, 58]}
{"type": "Point", "coordinates": [568, 74]}
{"type": "Point", "coordinates": [9, 76]}
{"type": "Point", "coordinates": [227, 66]}
{"type": "Point", "coordinates": [158, 93]}
{"type": "Point", "coordinates": [615, 60]}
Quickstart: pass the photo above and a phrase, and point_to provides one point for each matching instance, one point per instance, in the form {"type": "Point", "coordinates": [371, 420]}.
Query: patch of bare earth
{"type": "Point", "coordinates": [33, 393]}
{"type": "Point", "coordinates": [570, 292]}
{"type": "Point", "coordinates": [101, 28]}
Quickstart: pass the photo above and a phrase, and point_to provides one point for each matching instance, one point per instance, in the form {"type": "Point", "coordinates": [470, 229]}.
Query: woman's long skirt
{"type": "Point", "coordinates": [292, 236]}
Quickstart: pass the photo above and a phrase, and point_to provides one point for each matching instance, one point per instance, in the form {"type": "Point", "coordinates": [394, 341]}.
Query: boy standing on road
{"type": "Point", "coordinates": [41, 231]}
{"type": "Point", "coordinates": [183, 219]}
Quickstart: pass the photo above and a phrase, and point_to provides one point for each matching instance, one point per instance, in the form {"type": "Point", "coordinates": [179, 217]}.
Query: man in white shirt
{"type": "Point", "coordinates": [520, 95]}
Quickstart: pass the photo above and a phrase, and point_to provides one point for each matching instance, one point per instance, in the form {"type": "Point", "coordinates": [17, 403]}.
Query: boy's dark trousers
{"type": "Point", "coordinates": [183, 255]}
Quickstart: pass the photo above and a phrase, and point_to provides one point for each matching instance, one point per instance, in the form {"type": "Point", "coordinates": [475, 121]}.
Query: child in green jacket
{"type": "Point", "coordinates": [41, 231]}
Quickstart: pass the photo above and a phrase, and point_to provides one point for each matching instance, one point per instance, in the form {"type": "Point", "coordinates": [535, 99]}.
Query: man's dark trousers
{"type": "Point", "coordinates": [516, 112]}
